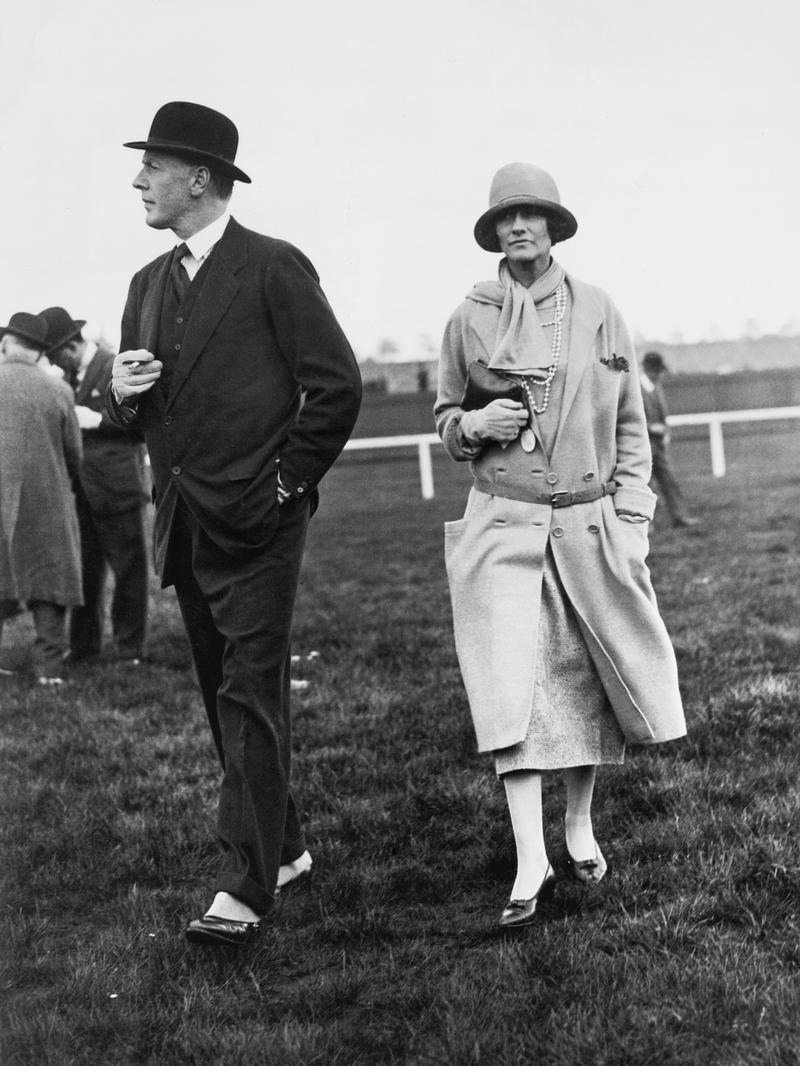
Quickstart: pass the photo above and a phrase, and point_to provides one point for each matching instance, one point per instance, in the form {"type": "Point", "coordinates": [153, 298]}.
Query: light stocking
{"type": "Point", "coordinates": [578, 820]}
{"type": "Point", "coordinates": [524, 797]}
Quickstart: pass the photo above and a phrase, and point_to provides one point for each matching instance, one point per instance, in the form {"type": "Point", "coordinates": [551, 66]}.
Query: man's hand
{"type": "Point", "coordinates": [87, 418]}
{"type": "Point", "coordinates": [134, 372]}
{"type": "Point", "coordinates": [501, 420]}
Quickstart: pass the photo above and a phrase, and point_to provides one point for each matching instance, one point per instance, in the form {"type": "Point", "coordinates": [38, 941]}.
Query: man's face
{"type": "Point", "coordinates": [165, 182]}
{"type": "Point", "coordinates": [68, 356]}
{"type": "Point", "coordinates": [523, 235]}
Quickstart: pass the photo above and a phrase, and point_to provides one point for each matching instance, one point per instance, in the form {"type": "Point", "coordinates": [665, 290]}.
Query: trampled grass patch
{"type": "Point", "coordinates": [688, 952]}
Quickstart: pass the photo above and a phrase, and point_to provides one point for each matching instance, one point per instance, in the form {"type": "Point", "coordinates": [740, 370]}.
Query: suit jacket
{"type": "Point", "coordinates": [113, 477]}
{"type": "Point", "coordinates": [265, 379]}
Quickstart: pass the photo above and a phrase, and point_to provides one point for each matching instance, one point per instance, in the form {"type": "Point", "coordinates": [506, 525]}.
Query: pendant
{"type": "Point", "coordinates": [527, 439]}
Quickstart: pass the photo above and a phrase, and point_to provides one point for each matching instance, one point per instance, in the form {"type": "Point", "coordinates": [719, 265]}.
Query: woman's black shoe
{"type": "Point", "coordinates": [589, 871]}
{"type": "Point", "coordinates": [523, 911]}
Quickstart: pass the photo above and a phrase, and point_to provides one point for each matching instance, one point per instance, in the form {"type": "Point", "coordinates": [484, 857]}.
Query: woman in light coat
{"type": "Point", "coordinates": [562, 650]}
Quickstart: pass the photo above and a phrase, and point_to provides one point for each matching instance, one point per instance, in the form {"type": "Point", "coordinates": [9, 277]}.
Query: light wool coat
{"type": "Point", "coordinates": [495, 553]}
{"type": "Point", "coordinates": [40, 455]}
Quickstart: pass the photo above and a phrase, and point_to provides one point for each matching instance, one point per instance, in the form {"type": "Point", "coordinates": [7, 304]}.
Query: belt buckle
{"type": "Point", "coordinates": [556, 501]}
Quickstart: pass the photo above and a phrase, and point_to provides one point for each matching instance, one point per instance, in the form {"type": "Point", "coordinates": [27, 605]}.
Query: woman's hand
{"type": "Point", "coordinates": [501, 420]}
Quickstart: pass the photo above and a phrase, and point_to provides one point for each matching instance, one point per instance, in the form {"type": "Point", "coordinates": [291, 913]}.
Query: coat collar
{"type": "Point", "coordinates": [585, 320]}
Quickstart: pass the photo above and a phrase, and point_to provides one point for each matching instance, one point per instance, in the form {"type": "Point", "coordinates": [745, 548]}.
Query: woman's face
{"type": "Point", "coordinates": [524, 237]}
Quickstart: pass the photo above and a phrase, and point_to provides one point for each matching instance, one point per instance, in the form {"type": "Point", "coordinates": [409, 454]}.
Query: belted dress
{"type": "Point", "coordinates": [561, 646]}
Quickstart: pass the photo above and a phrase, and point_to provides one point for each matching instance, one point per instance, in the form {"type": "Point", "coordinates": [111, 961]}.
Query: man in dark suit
{"type": "Point", "coordinates": [110, 500]}
{"type": "Point", "coordinates": [246, 388]}
{"type": "Point", "coordinates": [656, 411]}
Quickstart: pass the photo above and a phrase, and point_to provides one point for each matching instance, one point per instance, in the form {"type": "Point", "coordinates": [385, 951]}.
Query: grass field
{"type": "Point", "coordinates": [688, 953]}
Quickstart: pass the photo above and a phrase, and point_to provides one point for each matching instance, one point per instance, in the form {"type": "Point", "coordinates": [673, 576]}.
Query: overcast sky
{"type": "Point", "coordinates": [372, 132]}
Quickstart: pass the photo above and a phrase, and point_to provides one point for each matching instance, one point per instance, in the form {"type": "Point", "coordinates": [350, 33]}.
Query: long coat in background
{"type": "Point", "coordinates": [495, 554]}
{"type": "Point", "coordinates": [40, 455]}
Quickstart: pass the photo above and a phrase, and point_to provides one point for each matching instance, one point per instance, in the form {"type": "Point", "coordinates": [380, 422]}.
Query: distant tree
{"type": "Point", "coordinates": [428, 348]}
{"type": "Point", "coordinates": [387, 347]}
{"type": "Point", "coordinates": [376, 387]}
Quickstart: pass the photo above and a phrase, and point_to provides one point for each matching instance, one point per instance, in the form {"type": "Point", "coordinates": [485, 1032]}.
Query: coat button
{"type": "Point", "coordinates": [168, 420]}
{"type": "Point", "coordinates": [552, 479]}
{"type": "Point", "coordinates": [558, 532]}
{"type": "Point", "coordinates": [593, 528]}
{"type": "Point", "coordinates": [588, 476]}
{"type": "Point", "coordinates": [177, 347]}
{"type": "Point", "coordinates": [179, 320]}
{"type": "Point", "coordinates": [176, 470]}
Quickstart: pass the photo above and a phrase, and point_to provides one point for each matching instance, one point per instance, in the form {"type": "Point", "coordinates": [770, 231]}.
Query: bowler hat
{"type": "Point", "coordinates": [61, 328]}
{"type": "Point", "coordinates": [30, 328]}
{"type": "Point", "coordinates": [524, 185]}
{"type": "Point", "coordinates": [194, 130]}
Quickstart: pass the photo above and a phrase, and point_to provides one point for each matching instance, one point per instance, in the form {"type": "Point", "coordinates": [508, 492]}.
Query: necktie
{"type": "Point", "coordinates": [180, 279]}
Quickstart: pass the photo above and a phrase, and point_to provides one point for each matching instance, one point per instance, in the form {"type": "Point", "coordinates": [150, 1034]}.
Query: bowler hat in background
{"type": "Point", "coordinates": [524, 185]}
{"type": "Point", "coordinates": [653, 361]}
{"type": "Point", "coordinates": [182, 128]}
{"type": "Point", "coordinates": [61, 327]}
{"type": "Point", "coordinates": [30, 328]}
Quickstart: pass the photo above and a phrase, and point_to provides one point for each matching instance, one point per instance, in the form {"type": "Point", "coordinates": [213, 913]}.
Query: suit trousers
{"type": "Point", "coordinates": [665, 479]}
{"type": "Point", "coordinates": [237, 611]}
{"type": "Point", "coordinates": [117, 542]}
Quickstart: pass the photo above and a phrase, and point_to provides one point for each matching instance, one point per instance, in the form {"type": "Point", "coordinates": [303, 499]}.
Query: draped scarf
{"type": "Point", "coordinates": [521, 346]}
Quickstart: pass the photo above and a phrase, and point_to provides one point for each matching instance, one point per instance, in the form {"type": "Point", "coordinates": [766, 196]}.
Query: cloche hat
{"type": "Point", "coordinates": [30, 328]}
{"type": "Point", "coordinates": [192, 129]}
{"type": "Point", "coordinates": [524, 185]}
{"type": "Point", "coordinates": [61, 327]}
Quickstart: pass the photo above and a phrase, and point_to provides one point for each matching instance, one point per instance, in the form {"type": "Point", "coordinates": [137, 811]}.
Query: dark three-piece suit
{"type": "Point", "coordinates": [258, 377]}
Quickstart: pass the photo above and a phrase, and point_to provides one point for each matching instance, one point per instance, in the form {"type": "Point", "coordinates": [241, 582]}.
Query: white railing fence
{"type": "Point", "coordinates": [713, 419]}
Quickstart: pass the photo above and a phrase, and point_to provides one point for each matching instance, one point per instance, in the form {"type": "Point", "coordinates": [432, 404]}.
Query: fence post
{"type": "Point", "coordinates": [425, 469]}
{"type": "Point", "coordinates": [717, 446]}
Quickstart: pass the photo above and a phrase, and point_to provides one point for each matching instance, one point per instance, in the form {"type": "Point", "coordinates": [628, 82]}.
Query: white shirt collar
{"type": "Point", "coordinates": [646, 383]}
{"type": "Point", "coordinates": [201, 243]}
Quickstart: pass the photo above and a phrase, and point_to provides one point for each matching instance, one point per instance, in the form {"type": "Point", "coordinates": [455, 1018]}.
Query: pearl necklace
{"type": "Point", "coordinates": [545, 383]}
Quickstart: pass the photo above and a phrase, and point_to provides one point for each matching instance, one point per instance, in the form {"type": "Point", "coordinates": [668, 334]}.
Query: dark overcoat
{"type": "Point", "coordinates": [40, 454]}
{"type": "Point", "coordinates": [265, 380]}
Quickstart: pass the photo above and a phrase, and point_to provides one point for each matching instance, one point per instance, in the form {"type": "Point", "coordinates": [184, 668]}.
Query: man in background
{"type": "Point", "coordinates": [656, 411]}
{"type": "Point", "coordinates": [246, 388]}
{"type": "Point", "coordinates": [110, 500]}
{"type": "Point", "coordinates": [40, 454]}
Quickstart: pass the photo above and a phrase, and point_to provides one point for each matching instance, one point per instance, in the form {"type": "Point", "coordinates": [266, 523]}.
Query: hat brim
{"type": "Point", "coordinates": [71, 334]}
{"type": "Point", "coordinates": [36, 342]}
{"type": "Point", "coordinates": [485, 231]}
{"type": "Point", "coordinates": [224, 166]}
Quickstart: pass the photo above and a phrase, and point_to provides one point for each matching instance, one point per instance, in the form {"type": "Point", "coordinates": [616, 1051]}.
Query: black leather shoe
{"type": "Point", "coordinates": [523, 911]}
{"type": "Point", "coordinates": [589, 871]}
{"type": "Point", "coordinates": [221, 931]}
